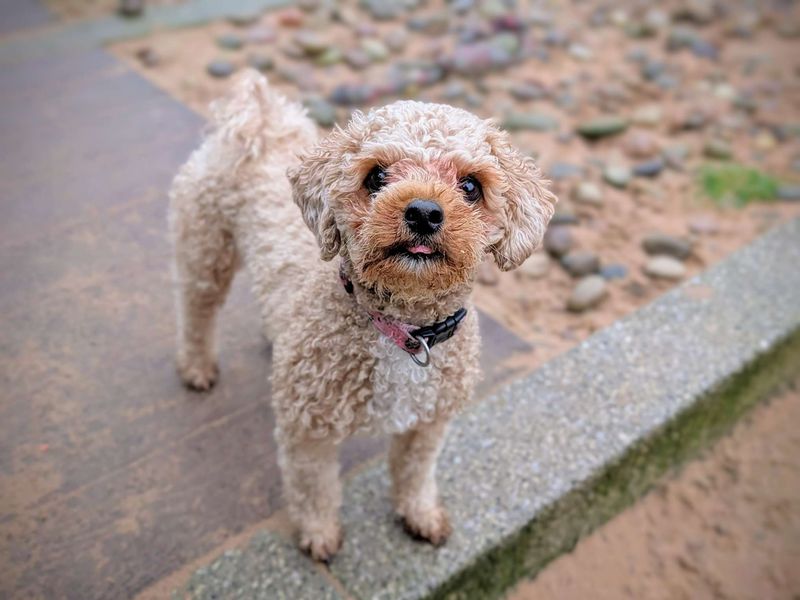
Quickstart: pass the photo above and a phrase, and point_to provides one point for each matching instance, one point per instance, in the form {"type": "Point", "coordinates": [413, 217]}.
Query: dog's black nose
{"type": "Point", "coordinates": [424, 216]}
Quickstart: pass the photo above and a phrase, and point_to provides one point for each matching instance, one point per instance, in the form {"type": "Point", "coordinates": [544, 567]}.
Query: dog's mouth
{"type": "Point", "coordinates": [415, 251]}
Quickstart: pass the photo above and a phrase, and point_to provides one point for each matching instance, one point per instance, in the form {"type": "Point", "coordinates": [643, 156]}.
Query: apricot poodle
{"type": "Point", "coordinates": [407, 199]}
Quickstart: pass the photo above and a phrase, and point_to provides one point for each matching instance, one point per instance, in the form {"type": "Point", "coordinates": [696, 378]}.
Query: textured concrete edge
{"type": "Point", "coordinates": [84, 35]}
{"type": "Point", "coordinates": [561, 525]}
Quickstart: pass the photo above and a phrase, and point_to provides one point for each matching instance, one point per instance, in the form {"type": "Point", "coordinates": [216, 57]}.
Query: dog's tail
{"type": "Point", "coordinates": [256, 119]}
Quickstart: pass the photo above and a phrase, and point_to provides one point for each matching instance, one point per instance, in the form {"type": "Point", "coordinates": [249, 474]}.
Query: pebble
{"type": "Point", "coordinates": [375, 49]}
{"type": "Point", "coordinates": [220, 68]}
{"type": "Point", "coordinates": [311, 42]}
{"type": "Point", "coordinates": [530, 121]}
{"type": "Point", "coordinates": [675, 156]}
{"type": "Point", "coordinates": [396, 40]}
{"type": "Point", "coordinates": [614, 271]}
{"type": "Point", "coordinates": [650, 115]}
{"type": "Point", "coordinates": [580, 263]}
{"type": "Point", "coordinates": [587, 192]}
{"type": "Point", "coordinates": [357, 59]}
{"type": "Point", "coordinates": [261, 35]}
{"type": "Point", "coordinates": [564, 170]}
{"type": "Point", "coordinates": [527, 91]}
{"type": "Point", "coordinates": [290, 17]}
{"type": "Point", "coordinates": [718, 148]}
{"type": "Point", "coordinates": [148, 57]}
{"type": "Point", "coordinates": [788, 193]}
{"type": "Point", "coordinates": [329, 57]}
{"type": "Point", "coordinates": [383, 10]}
{"type": "Point", "coordinates": [703, 225]}
{"type": "Point", "coordinates": [536, 267]}
{"type": "Point", "coordinates": [564, 213]}
{"type": "Point", "coordinates": [243, 19]}
{"type": "Point", "coordinates": [588, 292]}
{"type": "Point", "coordinates": [558, 240]}
{"type": "Point", "coordinates": [617, 175]}
{"type": "Point", "coordinates": [640, 144]}
{"type": "Point", "coordinates": [260, 62]}
{"type": "Point", "coordinates": [230, 41]}
{"type": "Point", "coordinates": [670, 245]}
{"type": "Point", "coordinates": [488, 273]}
{"type": "Point", "coordinates": [649, 168]}
{"type": "Point", "coordinates": [602, 127]}
{"type": "Point", "coordinates": [454, 90]}
{"type": "Point", "coordinates": [131, 8]}
{"type": "Point", "coordinates": [665, 267]}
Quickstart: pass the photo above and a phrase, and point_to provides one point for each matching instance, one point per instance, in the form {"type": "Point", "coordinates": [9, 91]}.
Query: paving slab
{"type": "Point", "coordinates": [16, 15]}
{"type": "Point", "coordinates": [111, 474]}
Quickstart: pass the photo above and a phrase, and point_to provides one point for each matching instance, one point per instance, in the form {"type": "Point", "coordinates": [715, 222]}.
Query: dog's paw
{"type": "Point", "coordinates": [199, 376]}
{"type": "Point", "coordinates": [431, 525]}
{"type": "Point", "coordinates": [322, 543]}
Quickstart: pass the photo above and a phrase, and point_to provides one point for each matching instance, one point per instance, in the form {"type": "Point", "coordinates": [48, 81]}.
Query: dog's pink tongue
{"type": "Point", "coordinates": [421, 249]}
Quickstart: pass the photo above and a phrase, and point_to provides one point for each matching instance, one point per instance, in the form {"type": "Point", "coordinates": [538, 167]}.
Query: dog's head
{"type": "Point", "coordinates": [414, 194]}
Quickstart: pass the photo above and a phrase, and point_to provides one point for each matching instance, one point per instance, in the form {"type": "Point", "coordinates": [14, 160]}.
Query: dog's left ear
{"type": "Point", "coordinates": [528, 207]}
{"type": "Point", "coordinates": [310, 182]}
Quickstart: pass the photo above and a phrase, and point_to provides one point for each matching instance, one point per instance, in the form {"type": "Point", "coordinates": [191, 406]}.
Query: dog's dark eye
{"type": "Point", "coordinates": [471, 188]}
{"type": "Point", "coordinates": [375, 179]}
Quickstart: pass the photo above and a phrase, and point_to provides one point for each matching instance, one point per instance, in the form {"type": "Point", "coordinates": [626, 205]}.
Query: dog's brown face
{"type": "Point", "coordinates": [414, 194]}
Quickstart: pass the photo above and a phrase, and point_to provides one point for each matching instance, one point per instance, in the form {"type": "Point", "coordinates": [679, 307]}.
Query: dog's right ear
{"type": "Point", "coordinates": [310, 182]}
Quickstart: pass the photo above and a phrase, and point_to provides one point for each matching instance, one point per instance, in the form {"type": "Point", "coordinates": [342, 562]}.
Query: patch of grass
{"type": "Point", "coordinates": [737, 184]}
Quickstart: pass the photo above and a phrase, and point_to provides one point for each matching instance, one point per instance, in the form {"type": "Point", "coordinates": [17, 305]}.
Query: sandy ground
{"type": "Point", "coordinates": [607, 82]}
{"type": "Point", "coordinates": [727, 527]}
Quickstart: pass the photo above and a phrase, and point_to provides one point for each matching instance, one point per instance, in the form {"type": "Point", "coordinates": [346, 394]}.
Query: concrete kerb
{"type": "Point", "coordinates": [547, 459]}
{"type": "Point", "coordinates": [93, 33]}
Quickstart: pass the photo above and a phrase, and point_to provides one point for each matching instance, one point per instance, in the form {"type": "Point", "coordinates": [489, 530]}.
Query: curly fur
{"type": "Point", "coordinates": [333, 373]}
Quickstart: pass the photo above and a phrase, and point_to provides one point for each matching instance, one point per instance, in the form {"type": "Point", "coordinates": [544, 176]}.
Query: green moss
{"type": "Point", "coordinates": [562, 524]}
{"type": "Point", "coordinates": [737, 184]}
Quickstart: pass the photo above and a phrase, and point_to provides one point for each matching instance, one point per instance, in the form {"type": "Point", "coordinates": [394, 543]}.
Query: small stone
{"type": "Point", "coordinates": [558, 240]}
{"type": "Point", "coordinates": [261, 35]}
{"type": "Point", "coordinates": [148, 57]}
{"type": "Point", "coordinates": [703, 225]}
{"type": "Point", "coordinates": [131, 8]}
{"type": "Point", "coordinates": [353, 93]}
{"type": "Point", "coordinates": [661, 243]}
{"type": "Point", "coordinates": [617, 175]}
{"type": "Point", "coordinates": [587, 192]}
{"type": "Point", "coordinates": [311, 42]}
{"type": "Point", "coordinates": [396, 40]}
{"type": "Point", "coordinates": [357, 59]}
{"type": "Point", "coordinates": [230, 41]}
{"type": "Point", "coordinates": [383, 10]}
{"type": "Point", "coordinates": [602, 127]}
{"type": "Point", "coordinates": [220, 68]}
{"type": "Point", "coordinates": [260, 62]}
{"type": "Point", "coordinates": [580, 52]}
{"type": "Point", "coordinates": [614, 271]}
{"type": "Point", "coordinates": [564, 213]}
{"type": "Point", "coordinates": [536, 267]}
{"type": "Point", "coordinates": [488, 274]}
{"type": "Point", "coordinates": [649, 168]}
{"type": "Point", "coordinates": [329, 57]}
{"type": "Point", "coordinates": [788, 193]}
{"type": "Point", "coordinates": [320, 110]}
{"type": "Point", "coordinates": [529, 121]}
{"type": "Point", "coordinates": [243, 19]}
{"type": "Point", "coordinates": [675, 156]}
{"type": "Point", "coordinates": [564, 170]}
{"type": "Point", "coordinates": [580, 263]}
{"type": "Point", "coordinates": [665, 267]}
{"type": "Point", "coordinates": [718, 149]}
{"type": "Point", "coordinates": [527, 91]}
{"type": "Point", "coordinates": [649, 115]}
{"type": "Point", "coordinates": [375, 49]}
{"type": "Point", "coordinates": [435, 24]}
{"type": "Point", "coordinates": [290, 17]}
{"type": "Point", "coordinates": [640, 144]}
{"type": "Point", "coordinates": [454, 90]}
{"type": "Point", "coordinates": [588, 292]}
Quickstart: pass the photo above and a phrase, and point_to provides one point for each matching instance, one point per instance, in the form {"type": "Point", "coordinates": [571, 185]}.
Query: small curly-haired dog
{"type": "Point", "coordinates": [408, 199]}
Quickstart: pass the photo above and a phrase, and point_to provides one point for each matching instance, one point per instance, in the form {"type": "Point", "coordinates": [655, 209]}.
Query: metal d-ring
{"type": "Point", "coordinates": [424, 344]}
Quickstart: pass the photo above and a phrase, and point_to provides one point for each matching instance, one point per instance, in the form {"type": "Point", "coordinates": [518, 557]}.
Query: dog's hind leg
{"type": "Point", "coordinates": [206, 260]}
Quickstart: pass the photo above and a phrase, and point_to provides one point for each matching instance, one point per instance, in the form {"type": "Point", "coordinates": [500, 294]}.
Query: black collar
{"type": "Point", "coordinates": [432, 334]}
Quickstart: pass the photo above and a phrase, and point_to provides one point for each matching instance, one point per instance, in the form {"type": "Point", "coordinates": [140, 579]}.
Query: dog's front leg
{"type": "Point", "coordinates": [313, 493]}
{"type": "Point", "coordinates": [412, 461]}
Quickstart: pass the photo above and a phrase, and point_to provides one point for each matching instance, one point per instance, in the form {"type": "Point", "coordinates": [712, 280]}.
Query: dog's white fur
{"type": "Point", "coordinates": [333, 372]}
